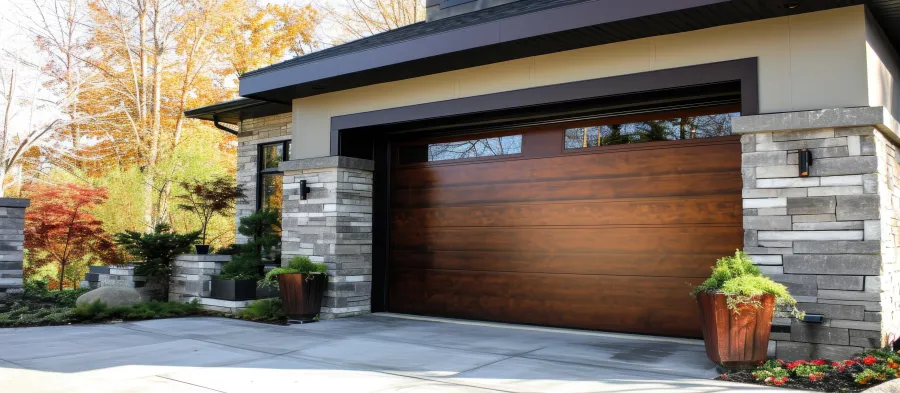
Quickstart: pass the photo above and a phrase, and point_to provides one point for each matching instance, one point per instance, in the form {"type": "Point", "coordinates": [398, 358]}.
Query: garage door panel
{"type": "Point", "coordinates": [597, 302]}
{"type": "Point", "coordinates": [602, 239]}
{"type": "Point", "coordinates": [571, 240]}
{"type": "Point", "coordinates": [713, 209]}
{"type": "Point", "coordinates": [571, 190]}
{"type": "Point", "coordinates": [664, 160]}
{"type": "Point", "coordinates": [694, 264]}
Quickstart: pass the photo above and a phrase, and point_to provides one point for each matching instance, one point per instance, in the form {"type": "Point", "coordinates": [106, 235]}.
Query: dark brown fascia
{"type": "Point", "coordinates": [284, 84]}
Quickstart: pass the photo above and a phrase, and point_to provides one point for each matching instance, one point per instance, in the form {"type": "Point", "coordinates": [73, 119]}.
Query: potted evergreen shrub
{"type": "Point", "coordinates": [301, 286]}
{"type": "Point", "coordinates": [237, 281]}
{"type": "Point", "coordinates": [238, 278]}
{"type": "Point", "coordinates": [736, 307]}
{"type": "Point", "coordinates": [206, 199]}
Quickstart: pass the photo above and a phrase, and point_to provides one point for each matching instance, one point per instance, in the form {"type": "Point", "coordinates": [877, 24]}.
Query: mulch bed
{"type": "Point", "coordinates": [834, 382]}
{"type": "Point", "coordinates": [870, 368]}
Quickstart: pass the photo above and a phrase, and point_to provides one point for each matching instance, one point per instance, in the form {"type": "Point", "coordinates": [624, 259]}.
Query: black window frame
{"type": "Point", "coordinates": [260, 171]}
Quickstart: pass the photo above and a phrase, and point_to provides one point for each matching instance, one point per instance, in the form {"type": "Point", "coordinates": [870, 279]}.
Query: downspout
{"type": "Point", "coordinates": [221, 127]}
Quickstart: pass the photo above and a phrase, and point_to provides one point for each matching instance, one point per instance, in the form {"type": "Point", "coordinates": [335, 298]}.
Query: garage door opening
{"type": "Point", "coordinates": [598, 224]}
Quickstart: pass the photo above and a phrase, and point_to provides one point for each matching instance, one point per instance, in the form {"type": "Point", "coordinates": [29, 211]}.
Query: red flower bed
{"type": "Point", "coordinates": [852, 375]}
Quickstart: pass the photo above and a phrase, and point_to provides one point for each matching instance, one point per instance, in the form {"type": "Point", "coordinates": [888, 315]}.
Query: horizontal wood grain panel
{"type": "Point", "coordinates": [649, 305]}
{"type": "Point", "coordinates": [712, 209]}
{"type": "Point", "coordinates": [637, 264]}
{"type": "Point", "coordinates": [694, 184]}
{"type": "Point", "coordinates": [625, 240]}
{"type": "Point", "coordinates": [678, 160]}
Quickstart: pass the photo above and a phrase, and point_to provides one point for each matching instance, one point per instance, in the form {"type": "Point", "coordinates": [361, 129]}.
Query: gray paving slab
{"type": "Point", "coordinates": [284, 373]}
{"type": "Point", "coordinates": [70, 340]}
{"type": "Point", "coordinates": [663, 357]}
{"type": "Point", "coordinates": [399, 357]}
{"type": "Point", "coordinates": [374, 353]}
{"type": "Point", "coordinates": [533, 375]}
{"type": "Point", "coordinates": [177, 353]}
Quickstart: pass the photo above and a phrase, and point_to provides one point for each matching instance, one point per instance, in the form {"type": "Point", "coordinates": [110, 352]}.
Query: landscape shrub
{"type": "Point", "coordinates": [22, 314]}
{"type": "Point", "coordinates": [300, 264]}
{"type": "Point", "coordinates": [852, 375]}
{"type": "Point", "coordinates": [741, 281]}
{"type": "Point", "coordinates": [98, 311]}
{"type": "Point", "coordinates": [264, 310]}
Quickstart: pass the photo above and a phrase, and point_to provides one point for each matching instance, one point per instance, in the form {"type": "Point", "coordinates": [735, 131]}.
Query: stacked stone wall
{"type": "Point", "coordinates": [192, 275]}
{"type": "Point", "coordinates": [255, 132]}
{"type": "Point", "coordinates": [12, 239]}
{"type": "Point", "coordinates": [334, 226]}
{"type": "Point", "coordinates": [821, 235]}
{"type": "Point", "coordinates": [887, 286]}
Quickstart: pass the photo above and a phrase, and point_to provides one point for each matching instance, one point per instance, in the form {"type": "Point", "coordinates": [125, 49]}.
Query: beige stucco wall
{"type": "Point", "coordinates": [809, 61]}
{"type": "Point", "coordinates": [883, 69]}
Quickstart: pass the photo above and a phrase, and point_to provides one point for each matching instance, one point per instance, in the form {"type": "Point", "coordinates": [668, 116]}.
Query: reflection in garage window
{"type": "Point", "coordinates": [484, 147]}
{"type": "Point", "coordinates": [693, 127]}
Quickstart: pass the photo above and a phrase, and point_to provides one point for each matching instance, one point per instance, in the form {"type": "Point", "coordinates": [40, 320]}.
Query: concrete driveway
{"type": "Point", "coordinates": [374, 353]}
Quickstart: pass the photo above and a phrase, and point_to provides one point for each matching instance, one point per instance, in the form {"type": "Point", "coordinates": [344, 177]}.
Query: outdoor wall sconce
{"type": "Point", "coordinates": [814, 318]}
{"type": "Point", "coordinates": [805, 161]}
{"type": "Point", "coordinates": [304, 190]}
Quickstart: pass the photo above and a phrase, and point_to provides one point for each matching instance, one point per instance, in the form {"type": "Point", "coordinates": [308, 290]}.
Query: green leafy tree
{"type": "Point", "coordinates": [157, 250]}
{"type": "Point", "coordinates": [208, 198]}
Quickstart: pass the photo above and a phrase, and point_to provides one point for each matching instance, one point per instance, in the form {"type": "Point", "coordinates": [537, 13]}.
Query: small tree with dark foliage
{"type": "Point", "coordinates": [60, 229]}
{"type": "Point", "coordinates": [208, 198]}
{"type": "Point", "coordinates": [157, 250]}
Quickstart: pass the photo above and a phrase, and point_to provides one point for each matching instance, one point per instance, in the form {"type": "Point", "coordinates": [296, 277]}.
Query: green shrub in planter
{"type": "Point", "coordinates": [297, 265]}
{"type": "Point", "coordinates": [741, 281]}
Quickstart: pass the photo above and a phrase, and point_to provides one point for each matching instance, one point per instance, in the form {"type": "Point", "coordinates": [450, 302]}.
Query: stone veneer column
{"type": "Point", "coordinates": [12, 239]}
{"type": "Point", "coordinates": [829, 237]}
{"type": "Point", "coordinates": [334, 226]}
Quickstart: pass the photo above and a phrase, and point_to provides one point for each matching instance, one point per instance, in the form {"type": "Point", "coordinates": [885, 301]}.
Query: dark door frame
{"type": "Point", "coordinates": [366, 135]}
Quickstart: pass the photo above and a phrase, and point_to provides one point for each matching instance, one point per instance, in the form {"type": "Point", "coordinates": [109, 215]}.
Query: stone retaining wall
{"type": "Point", "coordinates": [12, 239]}
{"type": "Point", "coordinates": [192, 275]}
{"type": "Point", "coordinates": [334, 226]}
{"type": "Point", "coordinates": [829, 237]}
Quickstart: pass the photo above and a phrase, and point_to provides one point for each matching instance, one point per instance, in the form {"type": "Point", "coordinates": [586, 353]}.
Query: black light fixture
{"type": "Point", "coordinates": [304, 190]}
{"type": "Point", "coordinates": [814, 318]}
{"type": "Point", "coordinates": [804, 161]}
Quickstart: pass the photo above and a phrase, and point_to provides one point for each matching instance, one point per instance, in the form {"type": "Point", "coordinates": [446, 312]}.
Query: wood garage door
{"type": "Point", "coordinates": [603, 235]}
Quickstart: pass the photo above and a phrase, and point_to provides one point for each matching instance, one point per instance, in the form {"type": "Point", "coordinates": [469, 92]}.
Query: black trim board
{"type": "Point", "coordinates": [744, 71]}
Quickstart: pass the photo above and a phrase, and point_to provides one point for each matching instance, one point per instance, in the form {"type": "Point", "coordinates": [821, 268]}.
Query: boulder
{"type": "Point", "coordinates": [112, 296]}
{"type": "Point", "coordinates": [887, 387]}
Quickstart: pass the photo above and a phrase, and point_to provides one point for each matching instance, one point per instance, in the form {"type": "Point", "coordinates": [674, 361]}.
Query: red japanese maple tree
{"type": "Point", "coordinates": [60, 229]}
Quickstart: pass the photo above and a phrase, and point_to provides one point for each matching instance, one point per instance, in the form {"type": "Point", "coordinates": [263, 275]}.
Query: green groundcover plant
{"type": "Point", "coordinates": [301, 264]}
{"type": "Point", "coordinates": [869, 368]}
{"type": "Point", "coordinates": [742, 282]}
{"type": "Point", "coordinates": [265, 310]}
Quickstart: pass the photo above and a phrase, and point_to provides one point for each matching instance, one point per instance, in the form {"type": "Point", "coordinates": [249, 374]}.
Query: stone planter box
{"type": "Point", "coordinates": [233, 289]}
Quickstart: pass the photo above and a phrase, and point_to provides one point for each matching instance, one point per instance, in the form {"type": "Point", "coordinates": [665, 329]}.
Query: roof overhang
{"type": "Point", "coordinates": [578, 24]}
{"type": "Point", "coordinates": [232, 112]}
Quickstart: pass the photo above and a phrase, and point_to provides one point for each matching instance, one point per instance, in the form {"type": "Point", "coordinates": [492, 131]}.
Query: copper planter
{"type": "Point", "coordinates": [736, 339]}
{"type": "Point", "coordinates": [301, 295]}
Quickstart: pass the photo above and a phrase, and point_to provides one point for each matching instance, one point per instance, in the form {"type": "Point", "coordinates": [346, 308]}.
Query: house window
{"type": "Point", "coordinates": [270, 190]}
{"type": "Point", "coordinates": [679, 128]}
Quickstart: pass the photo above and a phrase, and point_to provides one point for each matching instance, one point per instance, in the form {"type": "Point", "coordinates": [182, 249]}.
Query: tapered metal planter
{"type": "Point", "coordinates": [301, 295]}
{"type": "Point", "coordinates": [736, 339]}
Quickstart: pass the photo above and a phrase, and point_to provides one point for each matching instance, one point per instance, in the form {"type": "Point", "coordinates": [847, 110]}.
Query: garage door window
{"type": "Point", "coordinates": [458, 150]}
{"type": "Point", "coordinates": [679, 128]}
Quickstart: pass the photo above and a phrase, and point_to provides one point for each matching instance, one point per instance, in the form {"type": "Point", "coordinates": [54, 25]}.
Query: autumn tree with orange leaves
{"type": "Point", "coordinates": [60, 230]}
